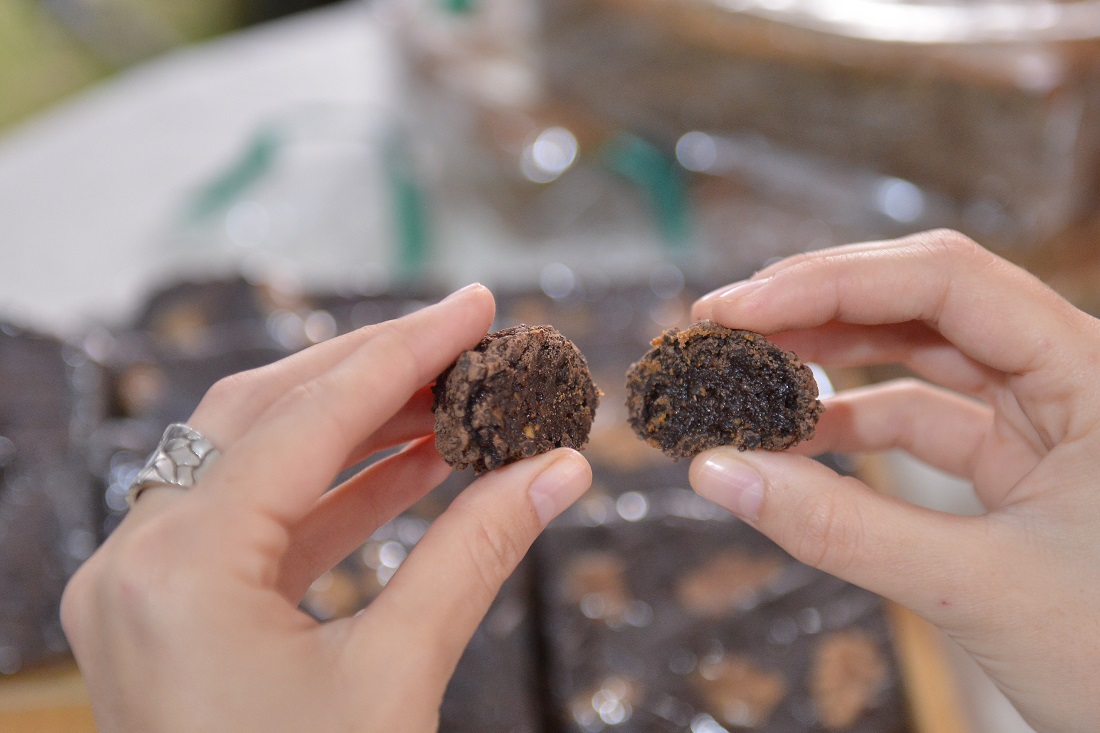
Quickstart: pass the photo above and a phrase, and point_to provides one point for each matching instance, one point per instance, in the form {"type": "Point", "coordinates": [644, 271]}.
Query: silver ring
{"type": "Point", "coordinates": [180, 460]}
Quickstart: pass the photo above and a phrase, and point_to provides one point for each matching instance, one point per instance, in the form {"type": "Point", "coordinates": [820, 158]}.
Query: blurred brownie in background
{"type": "Point", "coordinates": [50, 402]}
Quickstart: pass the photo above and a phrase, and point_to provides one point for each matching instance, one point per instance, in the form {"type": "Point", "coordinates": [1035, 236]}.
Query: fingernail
{"type": "Point", "coordinates": [559, 485]}
{"type": "Point", "coordinates": [704, 307]}
{"type": "Point", "coordinates": [742, 288]}
{"type": "Point", "coordinates": [712, 294]}
{"type": "Point", "coordinates": [729, 482]}
{"type": "Point", "coordinates": [462, 291]}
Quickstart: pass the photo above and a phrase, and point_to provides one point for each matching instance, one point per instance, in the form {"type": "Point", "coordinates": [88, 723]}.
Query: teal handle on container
{"type": "Point", "coordinates": [223, 191]}
{"type": "Point", "coordinates": [410, 210]}
{"type": "Point", "coordinates": [660, 180]}
{"type": "Point", "coordinates": [459, 7]}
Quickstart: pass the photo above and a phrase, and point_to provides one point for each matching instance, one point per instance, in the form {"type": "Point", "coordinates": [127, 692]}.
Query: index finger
{"type": "Point", "coordinates": [992, 311]}
{"type": "Point", "coordinates": [282, 465]}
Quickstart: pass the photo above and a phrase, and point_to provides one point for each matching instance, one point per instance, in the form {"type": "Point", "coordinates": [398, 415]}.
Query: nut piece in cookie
{"type": "Point", "coordinates": [522, 391]}
{"type": "Point", "coordinates": [709, 385]}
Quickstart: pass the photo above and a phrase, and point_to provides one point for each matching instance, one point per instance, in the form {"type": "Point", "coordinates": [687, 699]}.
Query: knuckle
{"type": "Point", "coordinates": [232, 389]}
{"type": "Point", "coordinates": [398, 344]}
{"type": "Point", "coordinates": [303, 393]}
{"type": "Point", "coordinates": [907, 395]}
{"type": "Point", "coordinates": [134, 575]}
{"type": "Point", "coordinates": [829, 532]}
{"type": "Point", "coordinates": [141, 557]}
{"type": "Point", "coordinates": [231, 385]}
{"type": "Point", "coordinates": [309, 396]}
{"type": "Point", "coordinates": [945, 253]}
{"type": "Point", "coordinates": [909, 387]}
{"type": "Point", "coordinates": [950, 246]}
{"type": "Point", "coordinates": [370, 331]}
{"type": "Point", "coordinates": [156, 557]}
{"type": "Point", "coordinates": [76, 600]}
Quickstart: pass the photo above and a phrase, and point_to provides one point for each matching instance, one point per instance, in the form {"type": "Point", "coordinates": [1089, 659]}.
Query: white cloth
{"type": "Point", "coordinates": [88, 188]}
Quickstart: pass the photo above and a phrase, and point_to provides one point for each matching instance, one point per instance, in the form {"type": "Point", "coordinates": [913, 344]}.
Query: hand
{"type": "Point", "coordinates": [186, 619]}
{"type": "Point", "coordinates": [1017, 411]}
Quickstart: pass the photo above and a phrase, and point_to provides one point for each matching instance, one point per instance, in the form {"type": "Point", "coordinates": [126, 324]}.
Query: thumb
{"type": "Point", "coordinates": [922, 559]}
{"type": "Point", "coordinates": [444, 588]}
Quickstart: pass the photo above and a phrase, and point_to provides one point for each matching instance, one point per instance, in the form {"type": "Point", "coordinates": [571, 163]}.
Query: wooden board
{"type": "Point", "coordinates": [50, 699]}
{"type": "Point", "coordinates": [929, 681]}
{"type": "Point", "coordinates": [53, 699]}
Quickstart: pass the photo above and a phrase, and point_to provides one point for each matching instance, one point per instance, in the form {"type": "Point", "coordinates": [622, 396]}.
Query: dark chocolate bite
{"type": "Point", "coordinates": [709, 385]}
{"type": "Point", "coordinates": [522, 391]}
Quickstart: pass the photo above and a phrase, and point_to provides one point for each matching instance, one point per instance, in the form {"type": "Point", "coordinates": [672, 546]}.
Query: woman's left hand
{"type": "Point", "coordinates": [187, 618]}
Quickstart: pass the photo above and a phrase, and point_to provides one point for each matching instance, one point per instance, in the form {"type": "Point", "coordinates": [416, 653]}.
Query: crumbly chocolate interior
{"type": "Point", "coordinates": [522, 391]}
{"type": "Point", "coordinates": [709, 385]}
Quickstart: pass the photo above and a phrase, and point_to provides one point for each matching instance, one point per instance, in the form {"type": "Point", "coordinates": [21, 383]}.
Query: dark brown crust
{"type": "Point", "coordinates": [709, 385]}
{"type": "Point", "coordinates": [522, 391]}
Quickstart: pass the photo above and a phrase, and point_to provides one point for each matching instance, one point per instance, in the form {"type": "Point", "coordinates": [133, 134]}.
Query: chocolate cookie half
{"type": "Point", "coordinates": [709, 385]}
{"type": "Point", "coordinates": [522, 391]}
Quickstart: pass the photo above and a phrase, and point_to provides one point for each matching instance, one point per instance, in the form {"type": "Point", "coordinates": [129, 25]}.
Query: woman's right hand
{"type": "Point", "coordinates": [1011, 401]}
